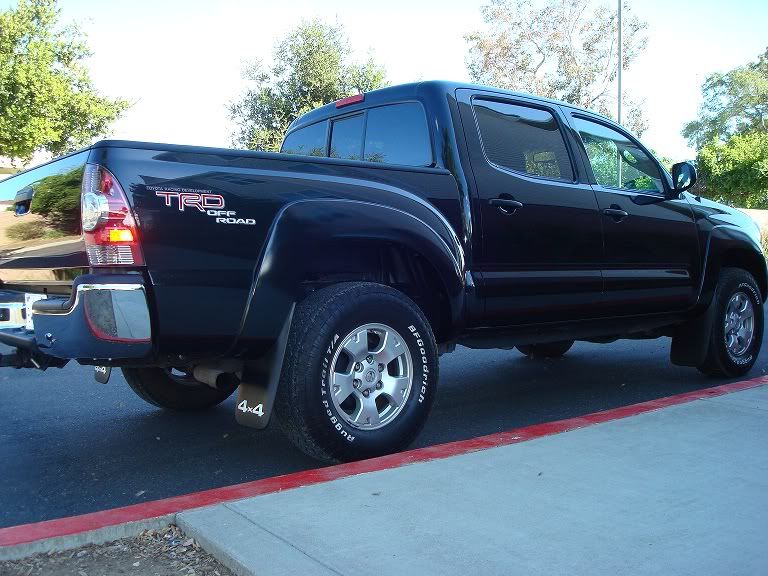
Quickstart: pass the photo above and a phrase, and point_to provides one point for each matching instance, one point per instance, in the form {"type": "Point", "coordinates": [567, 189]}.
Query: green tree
{"type": "Point", "coordinates": [46, 95]}
{"type": "Point", "coordinates": [310, 69]}
{"type": "Point", "coordinates": [734, 103]}
{"type": "Point", "coordinates": [731, 135]}
{"type": "Point", "coordinates": [736, 171]}
{"type": "Point", "coordinates": [562, 49]}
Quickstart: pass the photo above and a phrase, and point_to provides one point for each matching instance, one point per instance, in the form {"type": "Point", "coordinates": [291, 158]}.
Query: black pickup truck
{"type": "Point", "coordinates": [326, 280]}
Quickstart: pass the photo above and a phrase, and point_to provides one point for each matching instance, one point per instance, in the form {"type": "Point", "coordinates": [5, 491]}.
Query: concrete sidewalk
{"type": "Point", "coordinates": [682, 490]}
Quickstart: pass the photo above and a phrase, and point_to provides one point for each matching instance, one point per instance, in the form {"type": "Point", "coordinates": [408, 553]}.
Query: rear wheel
{"type": "Point", "coordinates": [360, 372]}
{"type": "Point", "coordinates": [175, 389]}
{"type": "Point", "coordinates": [548, 350]}
{"type": "Point", "coordinates": [737, 330]}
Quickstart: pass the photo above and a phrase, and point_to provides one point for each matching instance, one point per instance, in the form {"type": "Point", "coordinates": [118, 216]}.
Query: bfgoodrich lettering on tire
{"type": "Point", "coordinates": [360, 372]}
{"type": "Point", "coordinates": [737, 330]}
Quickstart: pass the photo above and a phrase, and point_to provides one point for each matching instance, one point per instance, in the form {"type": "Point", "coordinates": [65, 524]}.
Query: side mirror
{"type": "Point", "coordinates": [683, 176]}
{"type": "Point", "coordinates": [23, 201]}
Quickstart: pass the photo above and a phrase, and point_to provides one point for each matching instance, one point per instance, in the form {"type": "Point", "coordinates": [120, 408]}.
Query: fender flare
{"type": "Point", "coordinates": [723, 240]}
{"type": "Point", "coordinates": [304, 228]}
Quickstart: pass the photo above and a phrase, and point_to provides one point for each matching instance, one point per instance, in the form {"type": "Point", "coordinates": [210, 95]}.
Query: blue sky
{"type": "Point", "coordinates": [180, 61]}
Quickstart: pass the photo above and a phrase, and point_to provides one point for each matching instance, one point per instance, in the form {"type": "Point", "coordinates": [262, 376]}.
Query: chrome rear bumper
{"type": "Point", "coordinates": [105, 318]}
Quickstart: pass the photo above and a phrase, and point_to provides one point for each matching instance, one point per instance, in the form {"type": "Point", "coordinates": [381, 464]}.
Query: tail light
{"type": "Point", "coordinates": [109, 228]}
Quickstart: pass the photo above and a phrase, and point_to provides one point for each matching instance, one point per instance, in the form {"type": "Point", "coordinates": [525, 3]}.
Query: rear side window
{"type": "Point", "coordinates": [398, 134]}
{"type": "Point", "coordinates": [308, 141]}
{"type": "Point", "coordinates": [523, 139]}
{"type": "Point", "coordinates": [347, 138]}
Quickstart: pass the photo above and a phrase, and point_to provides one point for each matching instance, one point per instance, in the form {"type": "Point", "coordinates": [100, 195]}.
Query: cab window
{"type": "Point", "coordinates": [347, 138]}
{"type": "Point", "coordinates": [617, 162]}
{"type": "Point", "coordinates": [308, 141]}
{"type": "Point", "coordinates": [390, 134]}
{"type": "Point", "coordinates": [398, 134]}
{"type": "Point", "coordinates": [523, 139]}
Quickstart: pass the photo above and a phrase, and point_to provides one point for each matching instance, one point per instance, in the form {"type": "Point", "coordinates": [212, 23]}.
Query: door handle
{"type": "Point", "coordinates": [506, 205]}
{"type": "Point", "coordinates": [616, 213]}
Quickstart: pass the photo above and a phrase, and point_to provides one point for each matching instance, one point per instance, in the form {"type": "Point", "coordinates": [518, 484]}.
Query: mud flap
{"type": "Point", "coordinates": [256, 394]}
{"type": "Point", "coordinates": [691, 340]}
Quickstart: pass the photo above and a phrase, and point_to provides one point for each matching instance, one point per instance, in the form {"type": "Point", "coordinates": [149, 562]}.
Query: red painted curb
{"type": "Point", "coordinates": [26, 533]}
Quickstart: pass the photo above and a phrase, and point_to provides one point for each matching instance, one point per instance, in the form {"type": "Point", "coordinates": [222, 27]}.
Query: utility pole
{"type": "Point", "coordinates": [618, 110]}
{"type": "Point", "coordinates": [620, 56]}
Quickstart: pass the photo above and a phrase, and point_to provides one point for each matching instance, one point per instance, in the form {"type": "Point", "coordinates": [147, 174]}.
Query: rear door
{"type": "Point", "coordinates": [539, 260]}
{"type": "Point", "coordinates": [651, 244]}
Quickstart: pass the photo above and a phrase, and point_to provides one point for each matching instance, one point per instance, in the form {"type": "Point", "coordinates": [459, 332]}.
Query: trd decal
{"type": "Point", "coordinates": [203, 201]}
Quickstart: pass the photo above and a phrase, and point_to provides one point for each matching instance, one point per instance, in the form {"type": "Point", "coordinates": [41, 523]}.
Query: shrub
{"type": "Point", "coordinates": [57, 198]}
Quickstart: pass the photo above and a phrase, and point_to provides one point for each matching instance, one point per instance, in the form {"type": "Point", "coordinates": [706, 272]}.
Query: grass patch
{"type": "Point", "coordinates": [27, 230]}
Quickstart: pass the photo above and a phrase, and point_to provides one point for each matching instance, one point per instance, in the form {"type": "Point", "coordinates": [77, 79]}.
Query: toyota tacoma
{"type": "Point", "coordinates": [323, 282]}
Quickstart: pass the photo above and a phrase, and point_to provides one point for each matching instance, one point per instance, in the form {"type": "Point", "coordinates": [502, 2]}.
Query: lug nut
{"type": "Point", "coordinates": [358, 366]}
{"type": "Point", "coordinates": [369, 359]}
{"type": "Point", "coordinates": [379, 385]}
{"type": "Point", "coordinates": [366, 392]}
{"type": "Point", "coordinates": [381, 367]}
{"type": "Point", "coordinates": [356, 383]}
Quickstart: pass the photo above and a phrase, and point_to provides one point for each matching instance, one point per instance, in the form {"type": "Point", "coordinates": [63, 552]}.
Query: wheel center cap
{"type": "Point", "coordinates": [370, 376]}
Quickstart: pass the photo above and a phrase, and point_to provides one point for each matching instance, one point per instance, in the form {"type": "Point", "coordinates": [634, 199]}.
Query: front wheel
{"type": "Point", "coordinates": [737, 330]}
{"type": "Point", "coordinates": [360, 372]}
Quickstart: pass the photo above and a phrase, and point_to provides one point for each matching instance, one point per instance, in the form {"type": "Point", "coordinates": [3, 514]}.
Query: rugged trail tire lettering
{"type": "Point", "coordinates": [304, 406]}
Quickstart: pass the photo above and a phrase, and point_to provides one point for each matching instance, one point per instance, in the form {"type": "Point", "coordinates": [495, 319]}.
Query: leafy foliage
{"type": "Point", "coordinates": [46, 96]}
{"type": "Point", "coordinates": [732, 135]}
{"type": "Point", "coordinates": [736, 171]}
{"type": "Point", "coordinates": [734, 103]}
{"type": "Point", "coordinates": [560, 49]}
{"type": "Point", "coordinates": [57, 198]}
{"type": "Point", "coordinates": [310, 69]}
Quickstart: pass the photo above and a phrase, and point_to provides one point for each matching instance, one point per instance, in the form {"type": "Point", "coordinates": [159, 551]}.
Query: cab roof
{"type": "Point", "coordinates": [416, 91]}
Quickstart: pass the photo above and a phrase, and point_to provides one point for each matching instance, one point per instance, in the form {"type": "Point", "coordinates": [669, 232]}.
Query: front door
{"type": "Point", "coordinates": [538, 258]}
{"type": "Point", "coordinates": [651, 244]}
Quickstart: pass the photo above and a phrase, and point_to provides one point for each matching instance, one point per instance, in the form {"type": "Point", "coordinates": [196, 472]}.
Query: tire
{"type": "Point", "coordinates": [331, 417]}
{"type": "Point", "coordinates": [160, 387]}
{"type": "Point", "coordinates": [548, 350]}
{"type": "Point", "coordinates": [736, 289]}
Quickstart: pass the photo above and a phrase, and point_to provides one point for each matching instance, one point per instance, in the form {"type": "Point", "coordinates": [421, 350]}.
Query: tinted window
{"type": "Point", "coordinates": [309, 141]}
{"type": "Point", "coordinates": [398, 134]}
{"type": "Point", "coordinates": [616, 161]}
{"type": "Point", "coordinates": [347, 138]}
{"type": "Point", "coordinates": [523, 139]}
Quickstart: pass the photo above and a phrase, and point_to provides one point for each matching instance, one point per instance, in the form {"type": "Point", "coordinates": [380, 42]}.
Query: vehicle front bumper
{"type": "Point", "coordinates": [105, 318]}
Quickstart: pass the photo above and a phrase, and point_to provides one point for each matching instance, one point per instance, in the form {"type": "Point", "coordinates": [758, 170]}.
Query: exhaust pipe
{"type": "Point", "coordinates": [218, 374]}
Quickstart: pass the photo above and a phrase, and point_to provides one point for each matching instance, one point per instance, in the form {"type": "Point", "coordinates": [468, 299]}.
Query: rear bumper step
{"type": "Point", "coordinates": [105, 318]}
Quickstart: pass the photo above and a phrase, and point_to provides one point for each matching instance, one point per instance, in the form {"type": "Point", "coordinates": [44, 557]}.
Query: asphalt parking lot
{"type": "Point", "coordinates": [69, 445]}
